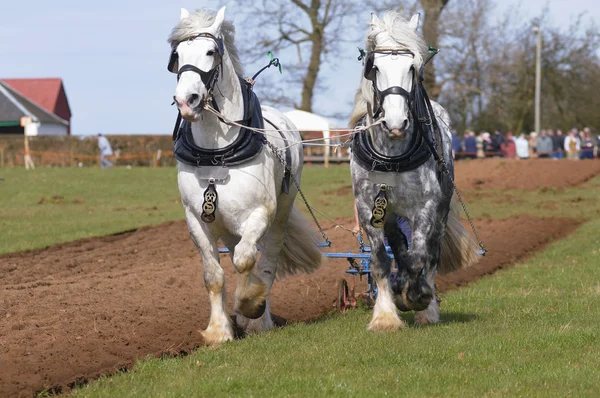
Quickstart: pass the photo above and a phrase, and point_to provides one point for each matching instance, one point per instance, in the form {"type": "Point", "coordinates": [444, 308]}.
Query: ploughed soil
{"type": "Point", "coordinates": [73, 311]}
{"type": "Point", "coordinates": [499, 173]}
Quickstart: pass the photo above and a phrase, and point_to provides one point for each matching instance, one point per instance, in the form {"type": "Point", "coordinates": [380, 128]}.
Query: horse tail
{"type": "Point", "coordinates": [458, 249]}
{"type": "Point", "coordinates": [299, 252]}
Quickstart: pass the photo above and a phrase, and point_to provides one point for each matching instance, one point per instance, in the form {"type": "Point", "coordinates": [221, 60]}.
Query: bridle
{"type": "Point", "coordinates": [209, 78]}
{"type": "Point", "coordinates": [370, 73]}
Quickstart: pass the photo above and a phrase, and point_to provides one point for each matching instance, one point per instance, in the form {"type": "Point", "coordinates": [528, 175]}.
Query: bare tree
{"type": "Point", "coordinates": [432, 11]}
{"type": "Point", "coordinates": [313, 28]}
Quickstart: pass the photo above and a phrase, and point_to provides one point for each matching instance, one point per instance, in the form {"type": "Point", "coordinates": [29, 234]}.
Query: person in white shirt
{"type": "Point", "coordinates": [522, 147]}
{"type": "Point", "coordinates": [105, 150]}
{"type": "Point", "coordinates": [572, 145]}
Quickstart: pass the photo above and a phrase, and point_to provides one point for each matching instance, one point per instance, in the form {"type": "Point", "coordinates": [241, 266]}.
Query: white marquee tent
{"type": "Point", "coordinates": [310, 122]}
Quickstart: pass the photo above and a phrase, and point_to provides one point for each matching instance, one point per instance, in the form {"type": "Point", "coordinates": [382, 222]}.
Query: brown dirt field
{"type": "Point", "coordinates": [498, 173]}
{"type": "Point", "coordinates": [74, 311]}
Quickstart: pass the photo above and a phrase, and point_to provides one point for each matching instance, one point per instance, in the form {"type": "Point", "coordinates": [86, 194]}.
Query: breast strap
{"type": "Point", "coordinates": [246, 146]}
{"type": "Point", "coordinates": [368, 157]}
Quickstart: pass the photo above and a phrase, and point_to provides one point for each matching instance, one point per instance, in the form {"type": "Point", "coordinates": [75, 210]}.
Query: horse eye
{"type": "Point", "coordinates": [210, 53]}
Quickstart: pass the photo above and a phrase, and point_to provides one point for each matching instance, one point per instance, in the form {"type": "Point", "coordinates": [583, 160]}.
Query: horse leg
{"type": "Point", "coordinates": [399, 245]}
{"type": "Point", "coordinates": [266, 269]}
{"type": "Point", "coordinates": [251, 292]}
{"type": "Point", "coordinates": [272, 245]}
{"type": "Point", "coordinates": [430, 315]}
{"type": "Point", "coordinates": [417, 292]}
{"type": "Point", "coordinates": [219, 326]}
{"type": "Point", "coordinates": [385, 316]}
{"type": "Point", "coordinates": [429, 226]}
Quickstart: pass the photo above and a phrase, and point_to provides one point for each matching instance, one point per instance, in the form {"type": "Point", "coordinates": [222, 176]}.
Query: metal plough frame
{"type": "Point", "coordinates": [359, 265]}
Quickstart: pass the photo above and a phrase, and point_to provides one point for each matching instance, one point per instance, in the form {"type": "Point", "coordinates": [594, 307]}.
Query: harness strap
{"type": "Point", "coordinates": [396, 90]}
{"type": "Point", "coordinates": [176, 128]}
{"type": "Point", "coordinates": [285, 185]}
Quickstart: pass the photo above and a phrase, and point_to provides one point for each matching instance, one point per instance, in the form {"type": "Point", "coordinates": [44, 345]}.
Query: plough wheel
{"type": "Point", "coordinates": [343, 301]}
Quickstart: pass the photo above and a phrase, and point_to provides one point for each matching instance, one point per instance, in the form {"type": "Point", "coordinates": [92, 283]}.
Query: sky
{"type": "Point", "coordinates": [112, 57]}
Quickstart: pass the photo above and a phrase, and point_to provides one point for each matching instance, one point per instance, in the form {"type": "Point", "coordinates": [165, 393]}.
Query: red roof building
{"type": "Point", "coordinates": [44, 100]}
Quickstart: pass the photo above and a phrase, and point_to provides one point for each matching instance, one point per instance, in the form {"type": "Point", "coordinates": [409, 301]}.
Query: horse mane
{"type": "Point", "coordinates": [198, 21]}
{"type": "Point", "coordinates": [398, 28]}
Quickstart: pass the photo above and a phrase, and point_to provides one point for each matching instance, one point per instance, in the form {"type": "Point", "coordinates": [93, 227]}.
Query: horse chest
{"type": "Point", "coordinates": [245, 189]}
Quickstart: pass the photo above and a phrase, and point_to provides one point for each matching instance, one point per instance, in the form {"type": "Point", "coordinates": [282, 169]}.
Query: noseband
{"type": "Point", "coordinates": [370, 73]}
{"type": "Point", "coordinates": [209, 79]}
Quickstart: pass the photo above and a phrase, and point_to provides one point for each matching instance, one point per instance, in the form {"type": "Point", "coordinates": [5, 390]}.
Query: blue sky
{"type": "Point", "coordinates": [112, 56]}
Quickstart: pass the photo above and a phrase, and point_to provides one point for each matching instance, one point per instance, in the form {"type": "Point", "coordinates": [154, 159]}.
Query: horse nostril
{"type": "Point", "coordinates": [405, 124]}
{"type": "Point", "coordinates": [193, 100]}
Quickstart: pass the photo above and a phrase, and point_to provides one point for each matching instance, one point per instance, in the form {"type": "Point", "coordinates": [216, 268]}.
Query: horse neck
{"type": "Point", "coordinates": [210, 133]}
{"type": "Point", "coordinates": [388, 146]}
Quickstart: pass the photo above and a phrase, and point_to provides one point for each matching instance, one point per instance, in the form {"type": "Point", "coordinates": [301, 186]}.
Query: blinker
{"type": "Point", "coordinates": [173, 65]}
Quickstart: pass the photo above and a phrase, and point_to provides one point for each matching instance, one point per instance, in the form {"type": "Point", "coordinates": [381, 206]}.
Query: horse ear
{"type": "Point", "coordinates": [414, 22]}
{"type": "Point", "coordinates": [184, 14]}
{"type": "Point", "coordinates": [374, 19]}
{"type": "Point", "coordinates": [219, 18]}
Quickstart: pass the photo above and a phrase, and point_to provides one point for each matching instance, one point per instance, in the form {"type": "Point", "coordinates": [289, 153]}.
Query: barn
{"type": "Point", "coordinates": [43, 100]}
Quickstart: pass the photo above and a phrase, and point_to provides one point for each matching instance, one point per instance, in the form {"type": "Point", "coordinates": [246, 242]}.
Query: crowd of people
{"type": "Point", "coordinates": [576, 144]}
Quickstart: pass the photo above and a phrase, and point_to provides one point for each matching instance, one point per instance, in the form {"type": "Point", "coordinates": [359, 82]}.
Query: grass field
{"type": "Point", "coordinates": [528, 331]}
{"type": "Point", "coordinates": [51, 205]}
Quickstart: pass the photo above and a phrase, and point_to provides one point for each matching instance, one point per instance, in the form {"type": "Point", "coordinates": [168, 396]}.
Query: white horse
{"type": "Point", "coordinates": [250, 208]}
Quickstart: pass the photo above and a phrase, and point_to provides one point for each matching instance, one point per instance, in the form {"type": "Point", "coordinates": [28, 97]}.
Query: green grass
{"type": "Point", "coordinates": [529, 331]}
{"type": "Point", "coordinates": [45, 206]}
{"type": "Point", "coordinates": [49, 205]}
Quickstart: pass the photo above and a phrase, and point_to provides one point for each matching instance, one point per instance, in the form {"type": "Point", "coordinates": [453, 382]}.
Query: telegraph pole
{"type": "Point", "coordinates": [538, 77]}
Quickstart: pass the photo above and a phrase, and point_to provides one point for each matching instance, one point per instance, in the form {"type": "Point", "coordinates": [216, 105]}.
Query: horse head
{"type": "Point", "coordinates": [197, 59]}
{"type": "Point", "coordinates": [390, 66]}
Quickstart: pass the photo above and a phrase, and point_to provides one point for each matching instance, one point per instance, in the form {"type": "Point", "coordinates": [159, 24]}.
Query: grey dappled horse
{"type": "Point", "coordinates": [394, 174]}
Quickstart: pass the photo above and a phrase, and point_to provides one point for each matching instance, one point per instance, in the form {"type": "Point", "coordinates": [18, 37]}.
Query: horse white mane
{"type": "Point", "coordinates": [200, 20]}
{"type": "Point", "coordinates": [399, 29]}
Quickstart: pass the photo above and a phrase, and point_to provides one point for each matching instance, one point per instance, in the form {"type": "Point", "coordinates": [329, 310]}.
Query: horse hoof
{"type": "Point", "coordinates": [252, 309]}
{"type": "Point", "coordinates": [214, 336]}
{"type": "Point", "coordinates": [251, 298]}
{"type": "Point", "coordinates": [386, 322]}
{"type": "Point", "coordinates": [413, 301]}
{"type": "Point", "coordinates": [401, 303]}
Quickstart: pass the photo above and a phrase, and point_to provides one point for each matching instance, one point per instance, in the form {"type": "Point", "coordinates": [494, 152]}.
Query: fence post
{"type": "Point", "coordinates": [71, 160]}
{"type": "Point", "coordinates": [1, 156]}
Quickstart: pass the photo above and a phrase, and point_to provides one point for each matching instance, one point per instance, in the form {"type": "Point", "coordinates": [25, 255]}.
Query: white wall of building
{"type": "Point", "coordinates": [51, 129]}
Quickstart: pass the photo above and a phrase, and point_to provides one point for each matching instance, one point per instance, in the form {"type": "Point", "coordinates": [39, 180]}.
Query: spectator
{"type": "Point", "coordinates": [479, 145]}
{"type": "Point", "coordinates": [105, 150]}
{"type": "Point", "coordinates": [544, 145]}
{"type": "Point", "coordinates": [587, 145]}
{"type": "Point", "coordinates": [497, 142]}
{"type": "Point", "coordinates": [470, 145]}
{"type": "Point", "coordinates": [522, 146]}
{"type": "Point", "coordinates": [533, 142]}
{"type": "Point", "coordinates": [558, 144]}
{"type": "Point", "coordinates": [597, 149]}
{"type": "Point", "coordinates": [572, 145]}
{"type": "Point", "coordinates": [509, 149]}
{"type": "Point", "coordinates": [456, 144]}
{"type": "Point", "coordinates": [487, 141]}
